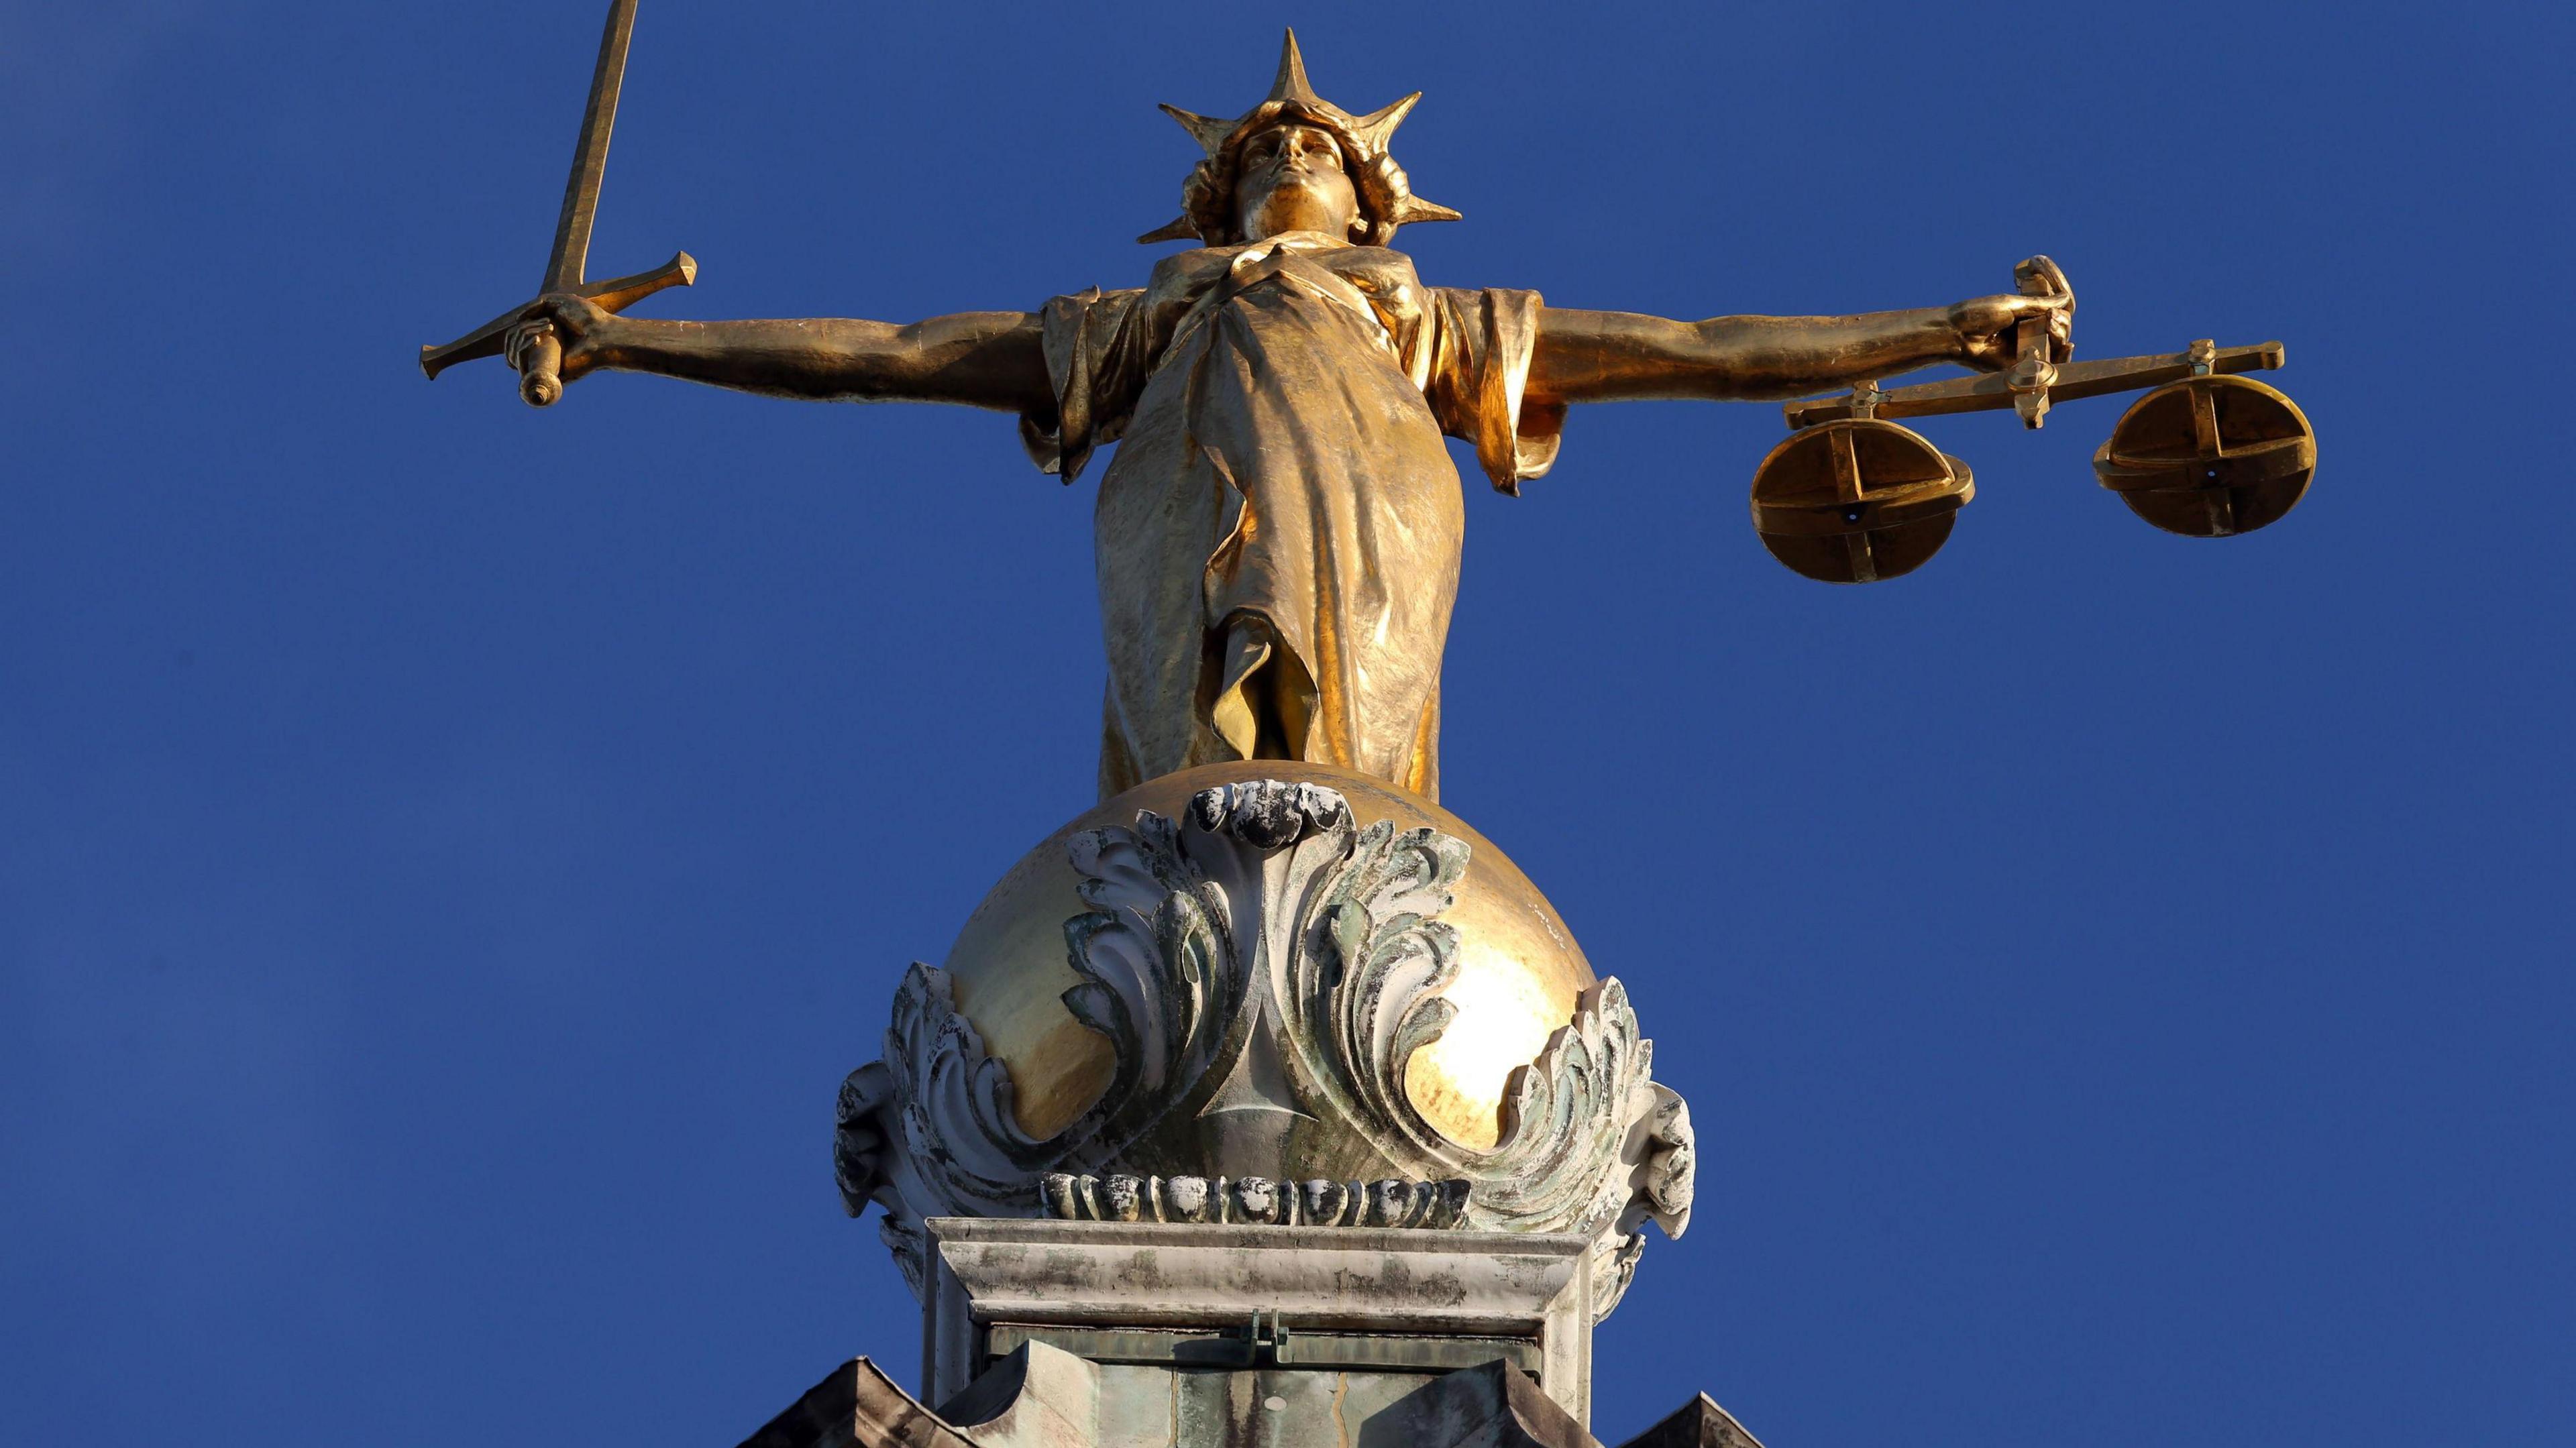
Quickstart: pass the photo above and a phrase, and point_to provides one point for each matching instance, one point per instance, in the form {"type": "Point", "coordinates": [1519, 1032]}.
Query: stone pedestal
{"type": "Point", "coordinates": [1204, 1334]}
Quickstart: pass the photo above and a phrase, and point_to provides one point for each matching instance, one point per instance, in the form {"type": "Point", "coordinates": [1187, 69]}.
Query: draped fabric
{"type": "Point", "coordinates": [1278, 534]}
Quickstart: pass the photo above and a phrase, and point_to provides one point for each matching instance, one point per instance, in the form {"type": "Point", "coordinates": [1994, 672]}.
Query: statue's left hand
{"type": "Point", "coordinates": [1986, 327]}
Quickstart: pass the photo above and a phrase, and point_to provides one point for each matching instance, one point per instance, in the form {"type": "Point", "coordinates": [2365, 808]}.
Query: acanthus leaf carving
{"type": "Point", "coordinates": [1266, 909]}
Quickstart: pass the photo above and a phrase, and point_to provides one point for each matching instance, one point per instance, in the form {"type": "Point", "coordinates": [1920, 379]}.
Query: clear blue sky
{"type": "Point", "coordinates": [449, 853]}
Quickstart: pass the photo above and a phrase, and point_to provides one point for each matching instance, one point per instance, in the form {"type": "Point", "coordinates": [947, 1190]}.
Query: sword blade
{"type": "Point", "coordinates": [590, 154]}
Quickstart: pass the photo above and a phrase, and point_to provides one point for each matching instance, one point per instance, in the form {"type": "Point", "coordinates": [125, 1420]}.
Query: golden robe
{"type": "Point", "coordinates": [1278, 535]}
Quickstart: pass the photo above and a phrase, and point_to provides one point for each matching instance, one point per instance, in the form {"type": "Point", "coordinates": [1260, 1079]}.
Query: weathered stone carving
{"type": "Point", "coordinates": [1315, 1203]}
{"type": "Point", "coordinates": [1264, 968]}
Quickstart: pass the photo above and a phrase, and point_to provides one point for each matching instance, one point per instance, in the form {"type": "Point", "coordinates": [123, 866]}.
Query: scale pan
{"type": "Point", "coordinates": [1856, 500]}
{"type": "Point", "coordinates": [2210, 457]}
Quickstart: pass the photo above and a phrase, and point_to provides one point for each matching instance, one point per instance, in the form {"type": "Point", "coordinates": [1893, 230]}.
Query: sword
{"type": "Point", "coordinates": [538, 352]}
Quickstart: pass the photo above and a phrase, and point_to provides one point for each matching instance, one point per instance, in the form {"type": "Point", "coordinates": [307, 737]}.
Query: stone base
{"type": "Point", "coordinates": [1319, 1329]}
{"type": "Point", "coordinates": [1054, 1334]}
{"type": "Point", "coordinates": [1042, 1397]}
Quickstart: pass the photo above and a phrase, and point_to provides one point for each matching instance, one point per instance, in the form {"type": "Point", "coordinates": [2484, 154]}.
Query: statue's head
{"type": "Point", "coordinates": [1296, 162]}
{"type": "Point", "coordinates": [1292, 177]}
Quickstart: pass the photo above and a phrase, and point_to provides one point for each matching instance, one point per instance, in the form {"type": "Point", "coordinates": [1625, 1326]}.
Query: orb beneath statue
{"type": "Point", "coordinates": [1520, 973]}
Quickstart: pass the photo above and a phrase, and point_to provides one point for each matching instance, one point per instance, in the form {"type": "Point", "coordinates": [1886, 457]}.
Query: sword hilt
{"type": "Point", "coordinates": [540, 363]}
{"type": "Point", "coordinates": [492, 339]}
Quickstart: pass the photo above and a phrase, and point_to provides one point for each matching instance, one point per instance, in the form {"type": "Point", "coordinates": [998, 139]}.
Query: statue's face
{"type": "Point", "coordinates": [1292, 179]}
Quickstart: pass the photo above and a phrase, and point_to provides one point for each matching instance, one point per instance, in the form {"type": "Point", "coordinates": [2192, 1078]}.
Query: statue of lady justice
{"type": "Point", "coordinates": [1278, 534]}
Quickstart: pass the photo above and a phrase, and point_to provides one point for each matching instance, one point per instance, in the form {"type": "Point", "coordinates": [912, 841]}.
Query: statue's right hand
{"type": "Point", "coordinates": [575, 323]}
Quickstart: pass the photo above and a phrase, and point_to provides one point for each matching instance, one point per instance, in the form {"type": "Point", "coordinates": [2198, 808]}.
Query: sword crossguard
{"type": "Point", "coordinates": [492, 339]}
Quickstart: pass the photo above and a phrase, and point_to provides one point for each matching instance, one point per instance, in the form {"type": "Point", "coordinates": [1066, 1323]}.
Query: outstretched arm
{"type": "Point", "coordinates": [1621, 356]}
{"type": "Point", "coordinates": [975, 359]}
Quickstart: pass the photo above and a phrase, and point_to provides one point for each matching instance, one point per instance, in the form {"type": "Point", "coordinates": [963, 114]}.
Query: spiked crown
{"type": "Point", "coordinates": [1386, 197]}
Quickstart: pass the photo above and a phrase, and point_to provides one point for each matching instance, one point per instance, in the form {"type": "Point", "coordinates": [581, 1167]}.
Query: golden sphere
{"type": "Point", "coordinates": [1519, 972]}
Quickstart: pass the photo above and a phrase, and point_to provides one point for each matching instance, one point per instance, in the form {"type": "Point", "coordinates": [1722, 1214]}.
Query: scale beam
{"type": "Point", "coordinates": [2074, 380]}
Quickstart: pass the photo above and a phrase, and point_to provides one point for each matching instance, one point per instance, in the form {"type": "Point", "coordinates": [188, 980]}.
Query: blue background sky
{"type": "Point", "coordinates": [449, 853]}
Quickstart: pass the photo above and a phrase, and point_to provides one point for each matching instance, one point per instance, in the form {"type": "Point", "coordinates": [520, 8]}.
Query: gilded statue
{"type": "Point", "coordinates": [1278, 532]}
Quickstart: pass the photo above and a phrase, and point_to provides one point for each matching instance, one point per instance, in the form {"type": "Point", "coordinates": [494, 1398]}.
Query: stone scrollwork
{"type": "Point", "coordinates": [1264, 968]}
